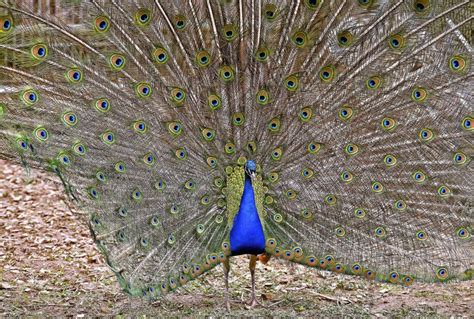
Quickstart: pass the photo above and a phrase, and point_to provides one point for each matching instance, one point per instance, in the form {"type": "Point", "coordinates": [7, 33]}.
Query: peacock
{"type": "Point", "coordinates": [337, 134]}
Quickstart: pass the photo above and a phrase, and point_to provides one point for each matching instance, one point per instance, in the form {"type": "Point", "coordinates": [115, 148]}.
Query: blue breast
{"type": "Point", "coordinates": [246, 236]}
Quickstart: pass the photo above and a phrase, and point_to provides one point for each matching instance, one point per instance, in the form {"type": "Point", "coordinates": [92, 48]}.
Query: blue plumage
{"type": "Point", "coordinates": [246, 236]}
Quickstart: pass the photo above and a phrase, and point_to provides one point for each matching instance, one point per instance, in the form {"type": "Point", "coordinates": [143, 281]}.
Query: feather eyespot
{"type": "Point", "coordinates": [300, 39]}
{"type": "Point", "coordinates": [419, 94]}
{"type": "Point", "coordinates": [312, 261]}
{"type": "Point", "coordinates": [365, 4]}
{"type": "Point", "coordinates": [273, 177]}
{"type": "Point", "coordinates": [143, 90]}
{"type": "Point", "coordinates": [312, 4]}
{"type": "Point", "coordinates": [419, 176]}
{"type": "Point", "coordinates": [251, 146]}
{"type": "Point", "coordinates": [219, 219]}
{"type": "Point", "coordinates": [139, 126]}
{"type": "Point", "coordinates": [380, 232]}
{"type": "Point", "coordinates": [64, 158]}
{"type": "Point", "coordinates": [175, 128]}
{"type": "Point", "coordinates": [463, 233]}
{"type": "Point", "coordinates": [74, 76]}
{"type": "Point", "coordinates": [137, 195]}
{"type": "Point", "coordinates": [369, 274]}
{"type": "Point", "coordinates": [101, 177]}
{"type": "Point", "coordinates": [205, 200]}
{"type": "Point", "coordinates": [390, 160]}
{"type": "Point", "coordinates": [442, 273]}
{"type": "Point", "coordinates": [400, 205]}
{"type": "Point", "coordinates": [277, 154]}
{"type": "Point", "coordinates": [117, 61]}
{"type": "Point", "coordinates": [444, 191]}
{"type": "Point", "coordinates": [351, 149]}
{"type": "Point", "coordinates": [122, 211]}
{"type": "Point", "coordinates": [70, 119]}
{"type": "Point", "coordinates": [214, 102]}
{"type": "Point", "coordinates": [212, 161]}
{"type": "Point", "coordinates": [466, 123]}
{"type": "Point", "coordinates": [181, 153]}
{"type": "Point", "coordinates": [421, 235]}
{"type": "Point", "coordinates": [305, 114]}
{"type": "Point", "coordinates": [359, 213]}
{"type": "Point", "coordinates": [457, 64]}
{"type": "Point", "coordinates": [6, 23]}
{"type": "Point", "coordinates": [143, 17]}
{"type": "Point", "coordinates": [374, 82]}
{"type": "Point", "coordinates": [121, 236]}
{"type": "Point", "coordinates": [327, 74]}
{"type": "Point", "coordinates": [291, 194]}
{"type": "Point", "coordinates": [306, 214]}
{"type": "Point", "coordinates": [39, 52]}
{"type": "Point", "coordinates": [292, 83]}
{"type": "Point", "coordinates": [421, 6]}
{"type": "Point", "coordinates": [41, 134]}
{"type": "Point", "coordinates": [229, 148]}
{"type": "Point", "coordinates": [160, 55]}
{"type": "Point", "coordinates": [79, 149]}
{"type": "Point", "coordinates": [120, 167]}
{"type": "Point", "coordinates": [356, 269]}
{"type": "Point", "coordinates": [102, 105]}
{"type": "Point", "coordinates": [149, 159]}
{"type": "Point", "coordinates": [29, 97]}
{"type": "Point", "coordinates": [377, 187]}
{"type": "Point", "coordinates": [93, 193]}
{"type": "Point", "coordinates": [460, 158]}
{"type": "Point", "coordinates": [190, 185]}
{"type": "Point", "coordinates": [203, 59]}
{"type": "Point", "coordinates": [278, 218]}
{"type": "Point", "coordinates": [340, 231]}
{"type": "Point", "coordinates": [270, 12]}
{"type": "Point", "coordinates": [393, 277]}
{"type": "Point", "coordinates": [263, 97]}
{"type": "Point", "coordinates": [262, 54]}
{"type": "Point", "coordinates": [344, 38]}
{"type": "Point", "coordinates": [178, 96]}
{"type": "Point", "coordinates": [274, 125]}
{"type": "Point", "coordinates": [426, 135]}
{"type": "Point", "coordinates": [174, 209]}
{"type": "Point", "coordinates": [330, 199]}
{"type": "Point", "coordinates": [238, 119]}
{"type": "Point", "coordinates": [229, 32]}
{"type": "Point", "coordinates": [226, 73]}
{"type": "Point", "coordinates": [160, 185]}
{"type": "Point", "coordinates": [307, 173]}
{"type": "Point", "coordinates": [346, 177]}
{"type": "Point", "coordinates": [408, 280]}
{"type": "Point", "coordinates": [396, 42]}
{"type": "Point", "coordinates": [180, 22]}
{"type": "Point", "coordinates": [388, 124]}
{"type": "Point", "coordinates": [108, 137]}
{"type": "Point", "coordinates": [345, 113]}
{"type": "Point", "coordinates": [102, 24]}
{"type": "Point", "coordinates": [208, 134]}
{"type": "Point", "coordinates": [313, 148]}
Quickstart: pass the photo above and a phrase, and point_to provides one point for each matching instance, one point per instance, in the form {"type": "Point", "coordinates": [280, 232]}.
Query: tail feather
{"type": "Point", "coordinates": [358, 114]}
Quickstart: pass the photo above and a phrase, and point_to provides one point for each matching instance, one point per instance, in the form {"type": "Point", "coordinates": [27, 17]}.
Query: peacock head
{"type": "Point", "coordinates": [250, 168]}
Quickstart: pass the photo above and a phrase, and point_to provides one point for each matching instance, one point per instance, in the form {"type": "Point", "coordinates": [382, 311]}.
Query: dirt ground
{"type": "Point", "coordinates": [49, 267]}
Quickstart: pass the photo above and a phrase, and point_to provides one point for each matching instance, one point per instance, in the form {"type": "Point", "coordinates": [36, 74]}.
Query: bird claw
{"type": "Point", "coordinates": [253, 303]}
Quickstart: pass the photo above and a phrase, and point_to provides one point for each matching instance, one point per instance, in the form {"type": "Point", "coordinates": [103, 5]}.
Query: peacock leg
{"type": "Point", "coordinates": [226, 276]}
{"type": "Point", "coordinates": [252, 264]}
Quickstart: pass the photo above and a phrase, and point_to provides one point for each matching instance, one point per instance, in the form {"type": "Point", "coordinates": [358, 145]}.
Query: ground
{"type": "Point", "coordinates": [49, 267]}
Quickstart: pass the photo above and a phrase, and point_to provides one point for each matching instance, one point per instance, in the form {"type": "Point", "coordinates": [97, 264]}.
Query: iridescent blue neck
{"type": "Point", "coordinates": [246, 235]}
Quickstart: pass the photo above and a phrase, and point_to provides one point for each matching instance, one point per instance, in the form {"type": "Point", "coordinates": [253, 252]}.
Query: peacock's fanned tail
{"type": "Point", "coordinates": [358, 113]}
